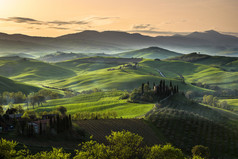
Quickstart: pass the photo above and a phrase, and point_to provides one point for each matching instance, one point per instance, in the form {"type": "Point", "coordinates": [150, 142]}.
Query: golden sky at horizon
{"type": "Point", "coordinates": [152, 17]}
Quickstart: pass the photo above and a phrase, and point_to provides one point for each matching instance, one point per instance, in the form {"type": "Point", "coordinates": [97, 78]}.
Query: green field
{"type": "Point", "coordinates": [98, 102]}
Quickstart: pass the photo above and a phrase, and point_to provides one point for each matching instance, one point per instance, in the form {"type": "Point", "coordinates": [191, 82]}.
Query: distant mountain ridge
{"type": "Point", "coordinates": [150, 53]}
{"type": "Point", "coordinates": [208, 42]}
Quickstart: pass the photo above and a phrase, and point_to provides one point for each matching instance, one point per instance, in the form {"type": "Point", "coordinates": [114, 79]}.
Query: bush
{"type": "Point", "coordinates": [165, 152]}
{"type": "Point", "coordinates": [124, 96]}
{"type": "Point", "coordinates": [7, 150]}
{"type": "Point", "coordinates": [200, 150]}
{"type": "Point", "coordinates": [62, 110]}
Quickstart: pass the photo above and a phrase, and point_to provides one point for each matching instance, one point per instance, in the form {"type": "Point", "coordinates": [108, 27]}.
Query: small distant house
{"type": "Point", "coordinates": [36, 125]}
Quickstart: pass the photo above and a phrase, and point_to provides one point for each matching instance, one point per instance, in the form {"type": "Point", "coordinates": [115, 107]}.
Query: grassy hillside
{"type": "Point", "coordinates": [150, 53]}
{"type": "Point", "coordinates": [12, 86]}
{"type": "Point", "coordinates": [98, 102]}
{"type": "Point", "coordinates": [186, 124]}
{"type": "Point", "coordinates": [110, 73]}
{"type": "Point", "coordinates": [26, 70]}
{"type": "Point", "coordinates": [214, 70]}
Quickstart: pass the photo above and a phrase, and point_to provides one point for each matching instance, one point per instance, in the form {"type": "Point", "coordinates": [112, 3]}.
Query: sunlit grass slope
{"type": "Point", "coordinates": [31, 70]}
{"type": "Point", "coordinates": [98, 102]}
{"type": "Point", "coordinates": [12, 86]}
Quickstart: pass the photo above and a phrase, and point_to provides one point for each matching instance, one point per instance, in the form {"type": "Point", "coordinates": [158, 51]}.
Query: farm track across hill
{"type": "Point", "coordinates": [101, 128]}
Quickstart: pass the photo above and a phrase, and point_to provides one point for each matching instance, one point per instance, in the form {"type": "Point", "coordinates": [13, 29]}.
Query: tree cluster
{"type": "Point", "coordinates": [12, 97]}
{"type": "Point", "coordinates": [34, 98]}
{"type": "Point", "coordinates": [147, 94]}
{"type": "Point", "coordinates": [214, 101]}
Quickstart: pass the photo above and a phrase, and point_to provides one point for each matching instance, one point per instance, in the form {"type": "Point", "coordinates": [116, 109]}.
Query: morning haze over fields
{"type": "Point", "coordinates": [119, 79]}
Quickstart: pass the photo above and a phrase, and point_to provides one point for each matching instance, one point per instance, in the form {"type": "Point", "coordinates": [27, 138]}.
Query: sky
{"type": "Point", "coordinates": [150, 17]}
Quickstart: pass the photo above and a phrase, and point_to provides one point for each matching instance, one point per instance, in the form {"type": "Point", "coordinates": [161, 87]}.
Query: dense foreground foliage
{"type": "Point", "coordinates": [122, 145]}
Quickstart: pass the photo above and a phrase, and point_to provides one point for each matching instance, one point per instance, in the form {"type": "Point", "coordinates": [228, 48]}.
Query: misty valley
{"type": "Point", "coordinates": [119, 95]}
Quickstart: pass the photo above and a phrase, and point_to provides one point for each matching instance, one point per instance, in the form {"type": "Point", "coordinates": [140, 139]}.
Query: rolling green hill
{"type": "Point", "coordinates": [12, 86]}
{"type": "Point", "coordinates": [150, 53]}
{"type": "Point", "coordinates": [217, 70]}
{"type": "Point", "coordinates": [120, 73]}
{"type": "Point", "coordinates": [27, 70]}
{"type": "Point", "coordinates": [113, 73]}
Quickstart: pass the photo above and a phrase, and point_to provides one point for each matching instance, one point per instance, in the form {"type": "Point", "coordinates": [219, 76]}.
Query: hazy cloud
{"type": "Point", "coordinates": [142, 26]}
{"type": "Point", "coordinates": [158, 32]}
{"type": "Point", "coordinates": [85, 21]}
{"type": "Point", "coordinates": [22, 20]}
{"type": "Point", "coordinates": [60, 28]}
{"type": "Point", "coordinates": [68, 22]}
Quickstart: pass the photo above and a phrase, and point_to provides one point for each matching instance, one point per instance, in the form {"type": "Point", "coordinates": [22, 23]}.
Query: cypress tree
{"type": "Point", "coordinates": [142, 88]}
{"type": "Point", "coordinates": [51, 122]}
{"type": "Point", "coordinates": [70, 121]}
{"type": "Point", "coordinates": [175, 89]}
{"type": "Point", "coordinates": [40, 131]}
{"type": "Point", "coordinates": [58, 124]}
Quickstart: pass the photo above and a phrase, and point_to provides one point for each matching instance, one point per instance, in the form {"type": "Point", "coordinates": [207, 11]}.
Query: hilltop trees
{"type": "Point", "coordinates": [147, 94]}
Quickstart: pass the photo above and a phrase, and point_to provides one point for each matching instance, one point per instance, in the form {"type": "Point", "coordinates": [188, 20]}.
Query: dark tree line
{"type": "Point", "coordinates": [58, 123]}
{"type": "Point", "coordinates": [61, 123]}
